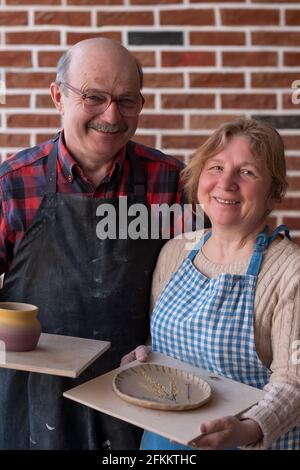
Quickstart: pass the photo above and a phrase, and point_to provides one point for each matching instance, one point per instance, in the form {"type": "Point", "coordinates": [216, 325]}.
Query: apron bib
{"type": "Point", "coordinates": [209, 323]}
{"type": "Point", "coordinates": [84, 286]}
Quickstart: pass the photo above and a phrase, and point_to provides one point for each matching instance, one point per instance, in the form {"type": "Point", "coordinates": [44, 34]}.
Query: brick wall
{"type": "Point", "coordinates": [204, 62]}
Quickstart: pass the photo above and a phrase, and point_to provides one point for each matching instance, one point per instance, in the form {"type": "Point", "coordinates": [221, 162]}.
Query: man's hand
{"type": "Point", "coordinates": [227, 433]}
{"type": "Point", "coordinates": [140, 353]}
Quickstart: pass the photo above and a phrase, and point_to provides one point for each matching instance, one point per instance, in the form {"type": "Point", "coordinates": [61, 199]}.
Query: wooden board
{"type": "Point", "coordinates": [66, 356]}
{"type": "Point", "coordinates": [228, 398]}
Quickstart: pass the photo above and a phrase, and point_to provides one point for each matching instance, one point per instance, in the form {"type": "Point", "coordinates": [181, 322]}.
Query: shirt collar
{"type": "Point", "coordinates": [69, 165]}
{"type": "Point", "coordinates": [65, 159]}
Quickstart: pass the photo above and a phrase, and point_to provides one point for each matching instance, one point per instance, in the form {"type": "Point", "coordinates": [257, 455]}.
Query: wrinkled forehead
{"type": "Point", "coordinates": [108, 69]}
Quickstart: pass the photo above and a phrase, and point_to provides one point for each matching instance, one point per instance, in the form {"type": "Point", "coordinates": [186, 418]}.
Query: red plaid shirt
{"type": "Point", "coordinates": [23, 182]}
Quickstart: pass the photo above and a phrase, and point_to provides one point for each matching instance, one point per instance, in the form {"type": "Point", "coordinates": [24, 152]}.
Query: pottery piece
{"type": "Point", "coordinates": [161, 388]}
{"type": "Point", "coordinates": [19, 327]}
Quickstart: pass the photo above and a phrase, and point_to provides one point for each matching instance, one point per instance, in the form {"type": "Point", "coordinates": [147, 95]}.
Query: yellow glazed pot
{"type": "Point", "coordinates": [19, 327]}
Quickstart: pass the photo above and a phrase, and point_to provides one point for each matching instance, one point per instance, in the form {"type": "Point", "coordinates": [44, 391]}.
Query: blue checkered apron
{"type": "Point", "coordinates": [208, 323]}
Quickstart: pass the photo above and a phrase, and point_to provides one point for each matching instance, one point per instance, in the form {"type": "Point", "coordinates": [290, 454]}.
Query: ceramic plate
{"type": "Point", "coordinates": [161, 387]}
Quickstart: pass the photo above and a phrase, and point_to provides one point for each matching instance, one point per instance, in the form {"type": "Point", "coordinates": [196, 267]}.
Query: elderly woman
{"type": "Point", "coordinates": [231, 305]}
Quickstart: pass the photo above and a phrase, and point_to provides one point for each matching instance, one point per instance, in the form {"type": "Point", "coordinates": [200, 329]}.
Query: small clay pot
{"type": "Point", "coordinates": [19, 327]}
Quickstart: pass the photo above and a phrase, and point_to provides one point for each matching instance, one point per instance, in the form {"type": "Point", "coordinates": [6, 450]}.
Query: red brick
{"type": "Point", "coordinates": [296, 240]}
{"type": "Point", "coordinates": [293, 222]}
{"type": "Point", "coordinates": [15, 59]}
{"type": "Point", "coordinates": [29, 80]}
{"type": "Point", "coordinates": [44, 101]}
{"type": "Point", "coordinates": [149, 140]}
{"type": "Point", "coordinates": [210, 121]}
{"type": "Point", "coordinates": [146, 58]}
{"type": "Point", "coordinates": [293, 163]}
{"type": "Point", "coordinates": [13, 18]}
{"type": "Point", "coordinates": [153, 2]}
{"type": "Point", "coordinates": [49, 58]}
{"type": "Point", "coordinates": [120, 18]}
{"type": "Point", "coordinates": [289, 203]}
{"type": "Point", "coordinates": [33, 2]}
{"type": "Point", "coordinates": [223, 80]}
{"type": "Point", "coordinates": [174, 101]}
{"type": "Point", "coordinates": [33, 37]}
{"type": "Point", "coordinates": [95, 2]}
{"type": "Point", "coordinates": [291, 142]}
{"type": "Point", "coordinates": [17, 101]}
{"type": "Point", "coordinates": [188, 58]}
{"type": "Point", "coordinates": [163, 80]}
{"type": "Point", "coordinates": [292, 17]}
{"type": "Point", "coordinates": [161, 121]}
{"type": "Point", "coordinates": [214, 38]}
{"type": "Point", "coordinates": [33, 120]}
{"type": "Point", "coordinates": [250, 59]}
{"type": "Point", "coordinates": [188, 141]}
{"type": "Point", "coordinates": [187, 17]}
{"type": "Point", "coordinates": [72, 38]}
{"type": "Point", "coordinates": [273, 80]}
{"type": "Point", "coordinates": [294, 184]}
{"type": "Point", "coordinates": [292, 59]}
{"type": "Point", "coordinates": [287, 102]}
{"type": "Point", "coordinates": [14, 140]}
{"type": "Point", "coordinates": [269, 38]}
{"type": "Point", "coordinates": [43, 137]}
{"type": "Point", "coordinates": [149, 101]}
{"type": "Point", "coordinates": [69, 18]}
{"type": "Point", "coordinates": [275, 1]}
{"type": "Point", "coordinates": [214, 1]}
{"type": "Point", "coordinates": [248, 101]}
{"type": "Point", "coordinates": [249, 17]}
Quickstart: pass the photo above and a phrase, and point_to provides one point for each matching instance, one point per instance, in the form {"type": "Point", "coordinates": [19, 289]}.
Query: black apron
{"type": "Point", "coordinates": [85, 287]}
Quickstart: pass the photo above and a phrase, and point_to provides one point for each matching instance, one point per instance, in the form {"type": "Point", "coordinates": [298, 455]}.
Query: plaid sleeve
{"type": "Point", "coordinates": [6, 247]}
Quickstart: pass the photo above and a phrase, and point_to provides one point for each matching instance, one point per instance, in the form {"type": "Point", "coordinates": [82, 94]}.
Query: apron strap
{"type": "Point", "coordinates": [198, 246]}
{"type": "Point", "coordinates": [263, 241]}
{"type": "Point", "coordinates": [280, 228]}
{"type": "Point", "coordinates": [51, 167]}
{"type": "Point", "coordinates": [137, 170]}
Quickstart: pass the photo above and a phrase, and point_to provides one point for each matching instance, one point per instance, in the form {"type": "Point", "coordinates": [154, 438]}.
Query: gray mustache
{"type": "Point", "coordinates": [104, 127]}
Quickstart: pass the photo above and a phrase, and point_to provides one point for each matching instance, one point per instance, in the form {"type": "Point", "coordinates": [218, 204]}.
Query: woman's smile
{"type": "Point", "coordinates": [226, 202]}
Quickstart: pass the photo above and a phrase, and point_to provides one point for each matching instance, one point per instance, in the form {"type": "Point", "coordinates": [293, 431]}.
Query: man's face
{"type": "Point", "coordinates": [96, 135]}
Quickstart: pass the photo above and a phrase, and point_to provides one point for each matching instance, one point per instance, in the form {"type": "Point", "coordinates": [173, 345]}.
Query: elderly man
{"type": "Point", "coordinates": [51, 252]}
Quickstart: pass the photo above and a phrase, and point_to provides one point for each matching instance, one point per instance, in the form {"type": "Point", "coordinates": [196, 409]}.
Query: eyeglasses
{"type": "Point", "coordinates": [96, 101]}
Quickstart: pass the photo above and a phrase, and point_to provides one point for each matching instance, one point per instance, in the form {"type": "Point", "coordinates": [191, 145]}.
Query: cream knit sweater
{"type": "Point", "coordinates": [276, 325]}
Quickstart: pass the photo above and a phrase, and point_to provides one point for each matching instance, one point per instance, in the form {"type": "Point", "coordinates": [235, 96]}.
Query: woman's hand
{"type": "Point", "coordinates": [227, 433]}
{"type": "Point", "coordinates": [140, 353]}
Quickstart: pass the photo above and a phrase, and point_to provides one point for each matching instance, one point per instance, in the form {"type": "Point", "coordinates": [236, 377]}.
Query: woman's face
{"type": "Point", "coordinates": [235, 188]}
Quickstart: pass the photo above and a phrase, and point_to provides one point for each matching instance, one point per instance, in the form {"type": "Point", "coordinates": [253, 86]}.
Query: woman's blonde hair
{"type": "Point", "coordinates": [265, 144]}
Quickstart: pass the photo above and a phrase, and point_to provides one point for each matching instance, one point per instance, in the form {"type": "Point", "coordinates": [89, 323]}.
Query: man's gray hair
{"type": "Point", "coordinates": [64, 62]}
{"type": "Point", "coordinates": [63, 66]}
